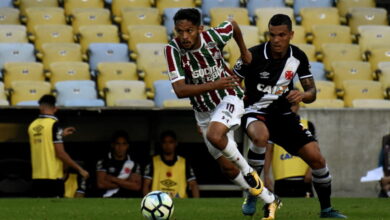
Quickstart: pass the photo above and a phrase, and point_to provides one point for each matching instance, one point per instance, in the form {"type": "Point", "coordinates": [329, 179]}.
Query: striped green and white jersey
{"type": "Point", "coordinates": [203, 65]}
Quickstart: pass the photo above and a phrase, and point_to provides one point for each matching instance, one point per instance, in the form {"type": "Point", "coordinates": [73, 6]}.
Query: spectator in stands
{"type": "Point", "coordinates": [118, 174]}
{"type": "Point", "coordinates": [169, 172]}
{"type": "Point", "coordinates": [291, 174]}
{"type": "Point", "coordinates": [384, 161]}
{"type": "Point", "coordinates": [47, 151]}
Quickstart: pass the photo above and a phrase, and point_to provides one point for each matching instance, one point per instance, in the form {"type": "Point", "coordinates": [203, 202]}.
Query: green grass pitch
{"type": "Point", "coordinates": [185, 209]}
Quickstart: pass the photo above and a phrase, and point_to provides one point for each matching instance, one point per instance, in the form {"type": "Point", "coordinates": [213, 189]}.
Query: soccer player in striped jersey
{"type": "Point", "coordinates": [197, 70]}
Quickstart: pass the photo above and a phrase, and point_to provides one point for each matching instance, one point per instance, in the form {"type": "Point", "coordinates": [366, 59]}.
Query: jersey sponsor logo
{"type": "Point", "coordinates": [207, 74]}
{"type": "Point", "coordinates": [211, 45]}
{"type": "Point", "coordinates": [217, 55]}
{"type": "Point", "coordinates": [289, 74]}
{"type": "Point", "coordinates": [127, 170]}
{"type": "Point", "coordinates": [38, 130]}
{"type": "Point", "coordinates": [286, 156]}
{"type": "Point", "coordinates": [169, 174]}
{"type": "Point", "coordinates": [276, 90]}
{"type": "Point", "coordinates": [264, 75]}
{"type": "Point", "coordinates": [168, 183]}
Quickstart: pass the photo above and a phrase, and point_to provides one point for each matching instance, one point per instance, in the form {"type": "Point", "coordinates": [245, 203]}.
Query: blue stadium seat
{"type": "Point", "coordinates": [252, 5]}
{"type": "Point", "coordinates": [77, 93]}
{"type": "Point", "coordinates": [164, 92]}
{"type": "Point", "coordinates": [6, 4]}
{"type": "Point", "coordinates": [298, 4]}
{"type": "Point", "coordinates": [208, 4]}
{"type": "Point", "coordinates": [28, 103]}
{"type": "Point", "coordinates": [169, 24]}
{"type": "Point", "coordinates": [317, 70]}
{"type": "Point", "coordinates": [107, 52]}
{"type": "Point", "coordinates": [16, 52]}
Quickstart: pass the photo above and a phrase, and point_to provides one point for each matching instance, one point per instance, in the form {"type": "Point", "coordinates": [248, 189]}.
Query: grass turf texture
{"type": "Point", "coordinates": [185, 209]}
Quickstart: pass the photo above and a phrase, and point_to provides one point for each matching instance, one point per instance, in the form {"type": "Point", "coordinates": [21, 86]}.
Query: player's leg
{"type": "Point", "coordinates": [259, 135]}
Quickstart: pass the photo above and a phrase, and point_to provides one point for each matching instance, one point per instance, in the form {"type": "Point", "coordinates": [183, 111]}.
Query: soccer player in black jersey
{"type": "Point", "coordinates": [269, 94]}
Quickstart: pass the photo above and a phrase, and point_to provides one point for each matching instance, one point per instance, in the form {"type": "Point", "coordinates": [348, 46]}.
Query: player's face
{"type": "Point", "coordinates": [279, 38]}
{"type": "Point", "coordinates": [188, 34]}
{"type": "Point", "coordinates": [120, 147]}
{"type": "Point", "coordinates": [169, 145]}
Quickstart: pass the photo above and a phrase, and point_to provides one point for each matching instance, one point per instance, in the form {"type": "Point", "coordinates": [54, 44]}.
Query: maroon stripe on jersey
{"type": "Point", "coordinates": [213, 50]}
{"type": "Point", "coordinates": [230, 90]}
{"type": "Point", "coordinates": [201, 106]}
{"type": "Point", "coordinates": [225, 30]}
{"type": "Point", "coordinates": [170, 59]}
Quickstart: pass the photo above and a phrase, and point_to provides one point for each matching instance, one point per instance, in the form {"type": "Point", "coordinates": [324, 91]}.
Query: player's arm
{"type": "Point", "coordinates": [66, 159]}
{"type": "Point", "coordinates": [308, 96]}
{"type": "Point", "coordinates": [267, 165]}
{"type": "Point", "coordinates": [146, 186]}
{"type": "Point", "coordinates": [246, 55]}
{"type": "Point", "coordinates": [131, 183]}
{"type": "Point", "coordinates": [193, 186]}
{"type": "Point", "coordinates": [104, 182]}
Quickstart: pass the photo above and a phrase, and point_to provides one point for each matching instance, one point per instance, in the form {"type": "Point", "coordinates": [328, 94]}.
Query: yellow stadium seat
{"type": "Point", "coordinates": [3, 97]}
{"type": "Point", "coordinates": [9, 16]}
{"type": "Point", "coordinates": [16, 71]}
{"type": "Point", "coordinates": [69, 5]}
{"type": "Point", "coordinates": [125, 92]}
{"type": "Point", "coordinates": [330, 34]}
{"type": "Point", "coordinates": [219, 15]}
{"type": "Point", "coordinates": [299, 35]}
{"type": "Point", "coordinates": [350, 70]}
{"type": "Point", "coordinates": [366, 16]}
{"type": "Point", "coordinates": [371, 103]}
{"type": "Point", "coordinates": [319, 16]}
{"type": "Point", "coordinates": [118, 5]}
{"type": "Point", "coordinates": [24, 5]}
{"type": "Point", "coordinates": [89, 16]}
{"type": "Point", "coordinates": [263, 15]}
{"type": "Point", "coordinates": [56, 52]}
{"type": "Point", "coordinates": [373, 36]}
{"type": "Point", "coordinates": [384, 77]}
{"type": "Point", "coordinates": [68, 70]}
{"type": "Point", "coordinates": [40, 16]}
{"type": "Point", "coordinates": [339, 52]}
{"type": "Point", "coordinates": [115, 71]}
{"type": "Point", "coordinates": [139, 16]}
{"type": "Point", "coordinates": [378, 54]}
{"type": "Point", "coordinates": [163, 4]}
{"type": "Point", "coordinates": [149, 54]}
{"type": "Point", "coordinates": [28, 91]}
{"type": "Point", "coordinates": [361, 89]}
{"type": "Point", "coordinates": [13, 33]}
{"type": "Point", "coordinates": [152, 74]}
{"type": "Point", "coordinates": [251, 39]}
{"type": "Point", "coordinates": [177, 103]}
{"type": "Point", "coordinates": [325, 89]}
{"type": "Point", "coordinates": [146, 34]}
{"type": "Point", "coordinates": [51, 33]}
{"type": "Point", "coordinates": [344, 5]}
{"type": "Point", "coordinates": [309, 50]}
{"type": "Point", "coordinates": [97, 34]}
{"type": "Point", "coordinates": [325, 103]}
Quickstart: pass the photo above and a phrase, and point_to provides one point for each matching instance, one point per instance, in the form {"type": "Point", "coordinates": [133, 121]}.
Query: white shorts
{"type": "Point", "coordinates": [228, 112]}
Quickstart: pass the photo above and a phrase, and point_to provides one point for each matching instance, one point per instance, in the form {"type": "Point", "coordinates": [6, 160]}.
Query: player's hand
{"type": "Point", "coordinates": [226, 82]}
{"type": "Point", "coordinates": [246, 57]}
{"type": "Point", "coordinates": [84, 173]}
{"type": "Point", "coordinates": [295, 96]}
{"type": "Point", "coordinates": [68, 131]}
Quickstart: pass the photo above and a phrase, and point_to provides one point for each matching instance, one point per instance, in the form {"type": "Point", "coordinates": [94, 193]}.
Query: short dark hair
{"type": "Point", "coordinates": [48, 100]}
{"type": "Point", "coordinates": [168, 133]}
{"type": "Point", "coordinates": [190, 14]}
{"type": "Point", "coordinates": [281, 19]}
{"type": "Point", "coordinates": [120, 134]}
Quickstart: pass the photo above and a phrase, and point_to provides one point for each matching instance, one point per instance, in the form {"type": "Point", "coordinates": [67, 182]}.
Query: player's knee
{"type": "Point", "coordinates": [215, 138]}
{"type": "Point", "coordinates": [260, 141]}
{"type": "Point", "coordinates": [318, 163]}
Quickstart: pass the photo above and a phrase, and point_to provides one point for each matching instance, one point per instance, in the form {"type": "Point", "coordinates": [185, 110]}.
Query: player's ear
{"type": "Point", "coordinates": [291, 35]}
{"type": "Point", "coordinates": [200, 28]}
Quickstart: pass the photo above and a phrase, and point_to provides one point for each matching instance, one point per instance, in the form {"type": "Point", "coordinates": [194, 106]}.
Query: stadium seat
{"type": "Point", "coordinates": [118, 5]}
{"type": "Point", "coordinates": [209, 4]}
{"type": "Point", "coordinates": [378, 54]}
{"type": "Point", "coordinates": [16, 52]}
{"type": "Point", "coordinates": [344, 6]}
{"type": "Point", "coordinates": [319, 16]}
{"type": "Point", "coordinates": [146, 34]}
{"type": "Point", "coordinates": [299, 35]}
{"type": "Point", "coordinates": [77, 93]}
{"type": "Point", "coordinates": [107, 52]}
{"type": "Point", "coordinates": [339, 52]}
{"type": "Point", "coordinates": [349, 70]}
{"type": "Point", "coordinates": [252, 5]}
{"type": "Point", "coordinates": [126, 93]}
{"type": "Point", "coordinates": [384, 77]}
{"type": "Point", "coordinates": [325, 103]}
{"type": "Point", "coordinates": [361, 89]}
{"type": "Point", "coordinates": [41, 16]}
{"type": "Point", "coordinates": [69, 5]}
{"type": "Point", "coordinates": [51, 33]}
{"type": "Point", "coordinates": [138, 16]}
{"type": "Point", "coordinates": [263, 15]}
{"type": "Point", "coordinates": [299, 4]}
{"type": "Point", "coordinates": [3, 97]}
{"type": "Point", "coordinates": [325, 89]}
{"type": "Point", "coordinates": [371, 103]}
{"type": "Point", "coordinates": [13, 33]}
{"type": "Point", "coordinates": [6, 4]}
{"type": "Point", "coordinates": [163, 4]}
{"type": "Point", "coordinates": [166, 97]}
{"type": "Point", "coordinates": [373, 36]}
{"type": "Point", "coordinates": [219, 15]}
{"type": "Point", "coordinates": [107, 71]}
{"type": "Point", "coordinates": [24, 5]}
{"type": "Point", "coordinates": [366, 16]}
{"type": "Point", "coordinates": [149, 54]}
{"type": "Point", "coordinates": [97, 34]}
{"type": "Point", "coordinates": [89, 16]}
{"type": "Point", "coordinates": [17, 71]}
{"type": "Point", "coordinates": [68, 70]}
{"type": "Point", "coordinates": [169, 23]}
{"type": "Point", "coordinates": [330, 34]}
{"type": "Point", "coordinates": [56, 52]}
{"type": "Point", "coordinates": [152, 74]}
{"type": "Point", "coordinates": [318, 71]}
{"type": "Point", "coordinates": [28, 91]}
{"type": "Point", "coordinates": [309, 50]}
{"type": "Point", "coordinates": [9, 16]}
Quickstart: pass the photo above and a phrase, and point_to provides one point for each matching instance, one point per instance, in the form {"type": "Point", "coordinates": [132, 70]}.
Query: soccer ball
{"type": "Point", "coordinates": [157, 205]}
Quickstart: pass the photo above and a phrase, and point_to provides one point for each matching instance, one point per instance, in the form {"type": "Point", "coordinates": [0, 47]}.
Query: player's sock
{"type": "Point", "coordinates": [231, 153]}
{"type": "Point", "coordinates": [240, 181]}
{"type": "Point", "coordinates": [266, 195]}
{"type": "Point", "coordinates": [322, 184]}
{"type": "Point", "coordinates": [256, 157]}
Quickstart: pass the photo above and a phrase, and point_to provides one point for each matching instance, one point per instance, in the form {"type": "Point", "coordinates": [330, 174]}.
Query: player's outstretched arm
{"type": "Point", "coordinates": [246, 55]}
{"type": "Point", "coordinates": [308, 96]}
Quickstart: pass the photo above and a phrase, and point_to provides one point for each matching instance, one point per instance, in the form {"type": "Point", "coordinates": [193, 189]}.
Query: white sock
{"type": "Point", "coordinates": [240, 181]}
{"type": "Point", "coordinates": [267, 196]}
{"type": "Point", "coordinates": [231, 153]}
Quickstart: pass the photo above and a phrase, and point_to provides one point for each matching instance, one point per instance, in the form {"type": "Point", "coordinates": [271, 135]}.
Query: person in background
{"type": "Point", "coordinates": [384, 161]}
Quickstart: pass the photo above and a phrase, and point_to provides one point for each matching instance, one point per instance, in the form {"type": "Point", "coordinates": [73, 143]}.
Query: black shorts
{"type": "Point", "coordinates": [292, 188]}
{"type": "Point", "coordinates": [45, 188]}
{"type": "Point", "coordinates": [284, 130]}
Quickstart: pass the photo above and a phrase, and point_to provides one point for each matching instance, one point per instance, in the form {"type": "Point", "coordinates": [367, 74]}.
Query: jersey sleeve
{"type": "Point", "coordinates": [222, 34]}
{"type": "Point", "coordinates": [303, 70]}
{"type": "Point", "coordinates": [175, 68]}
{"type": "Point", "coordinates": [101, 166]}
{"type": "Point", "coordinates": [148, 171]}
{"type": "Point", "coordinates": [190, 174]}
{"type": "Point", "coordinates": [57, 133]}
{"type": "Point", "coordinates": [240, 69]}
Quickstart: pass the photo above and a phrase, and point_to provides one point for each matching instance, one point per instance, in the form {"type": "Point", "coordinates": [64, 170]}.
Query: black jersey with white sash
{"type": "Point", "coordinates": [268, 81]}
